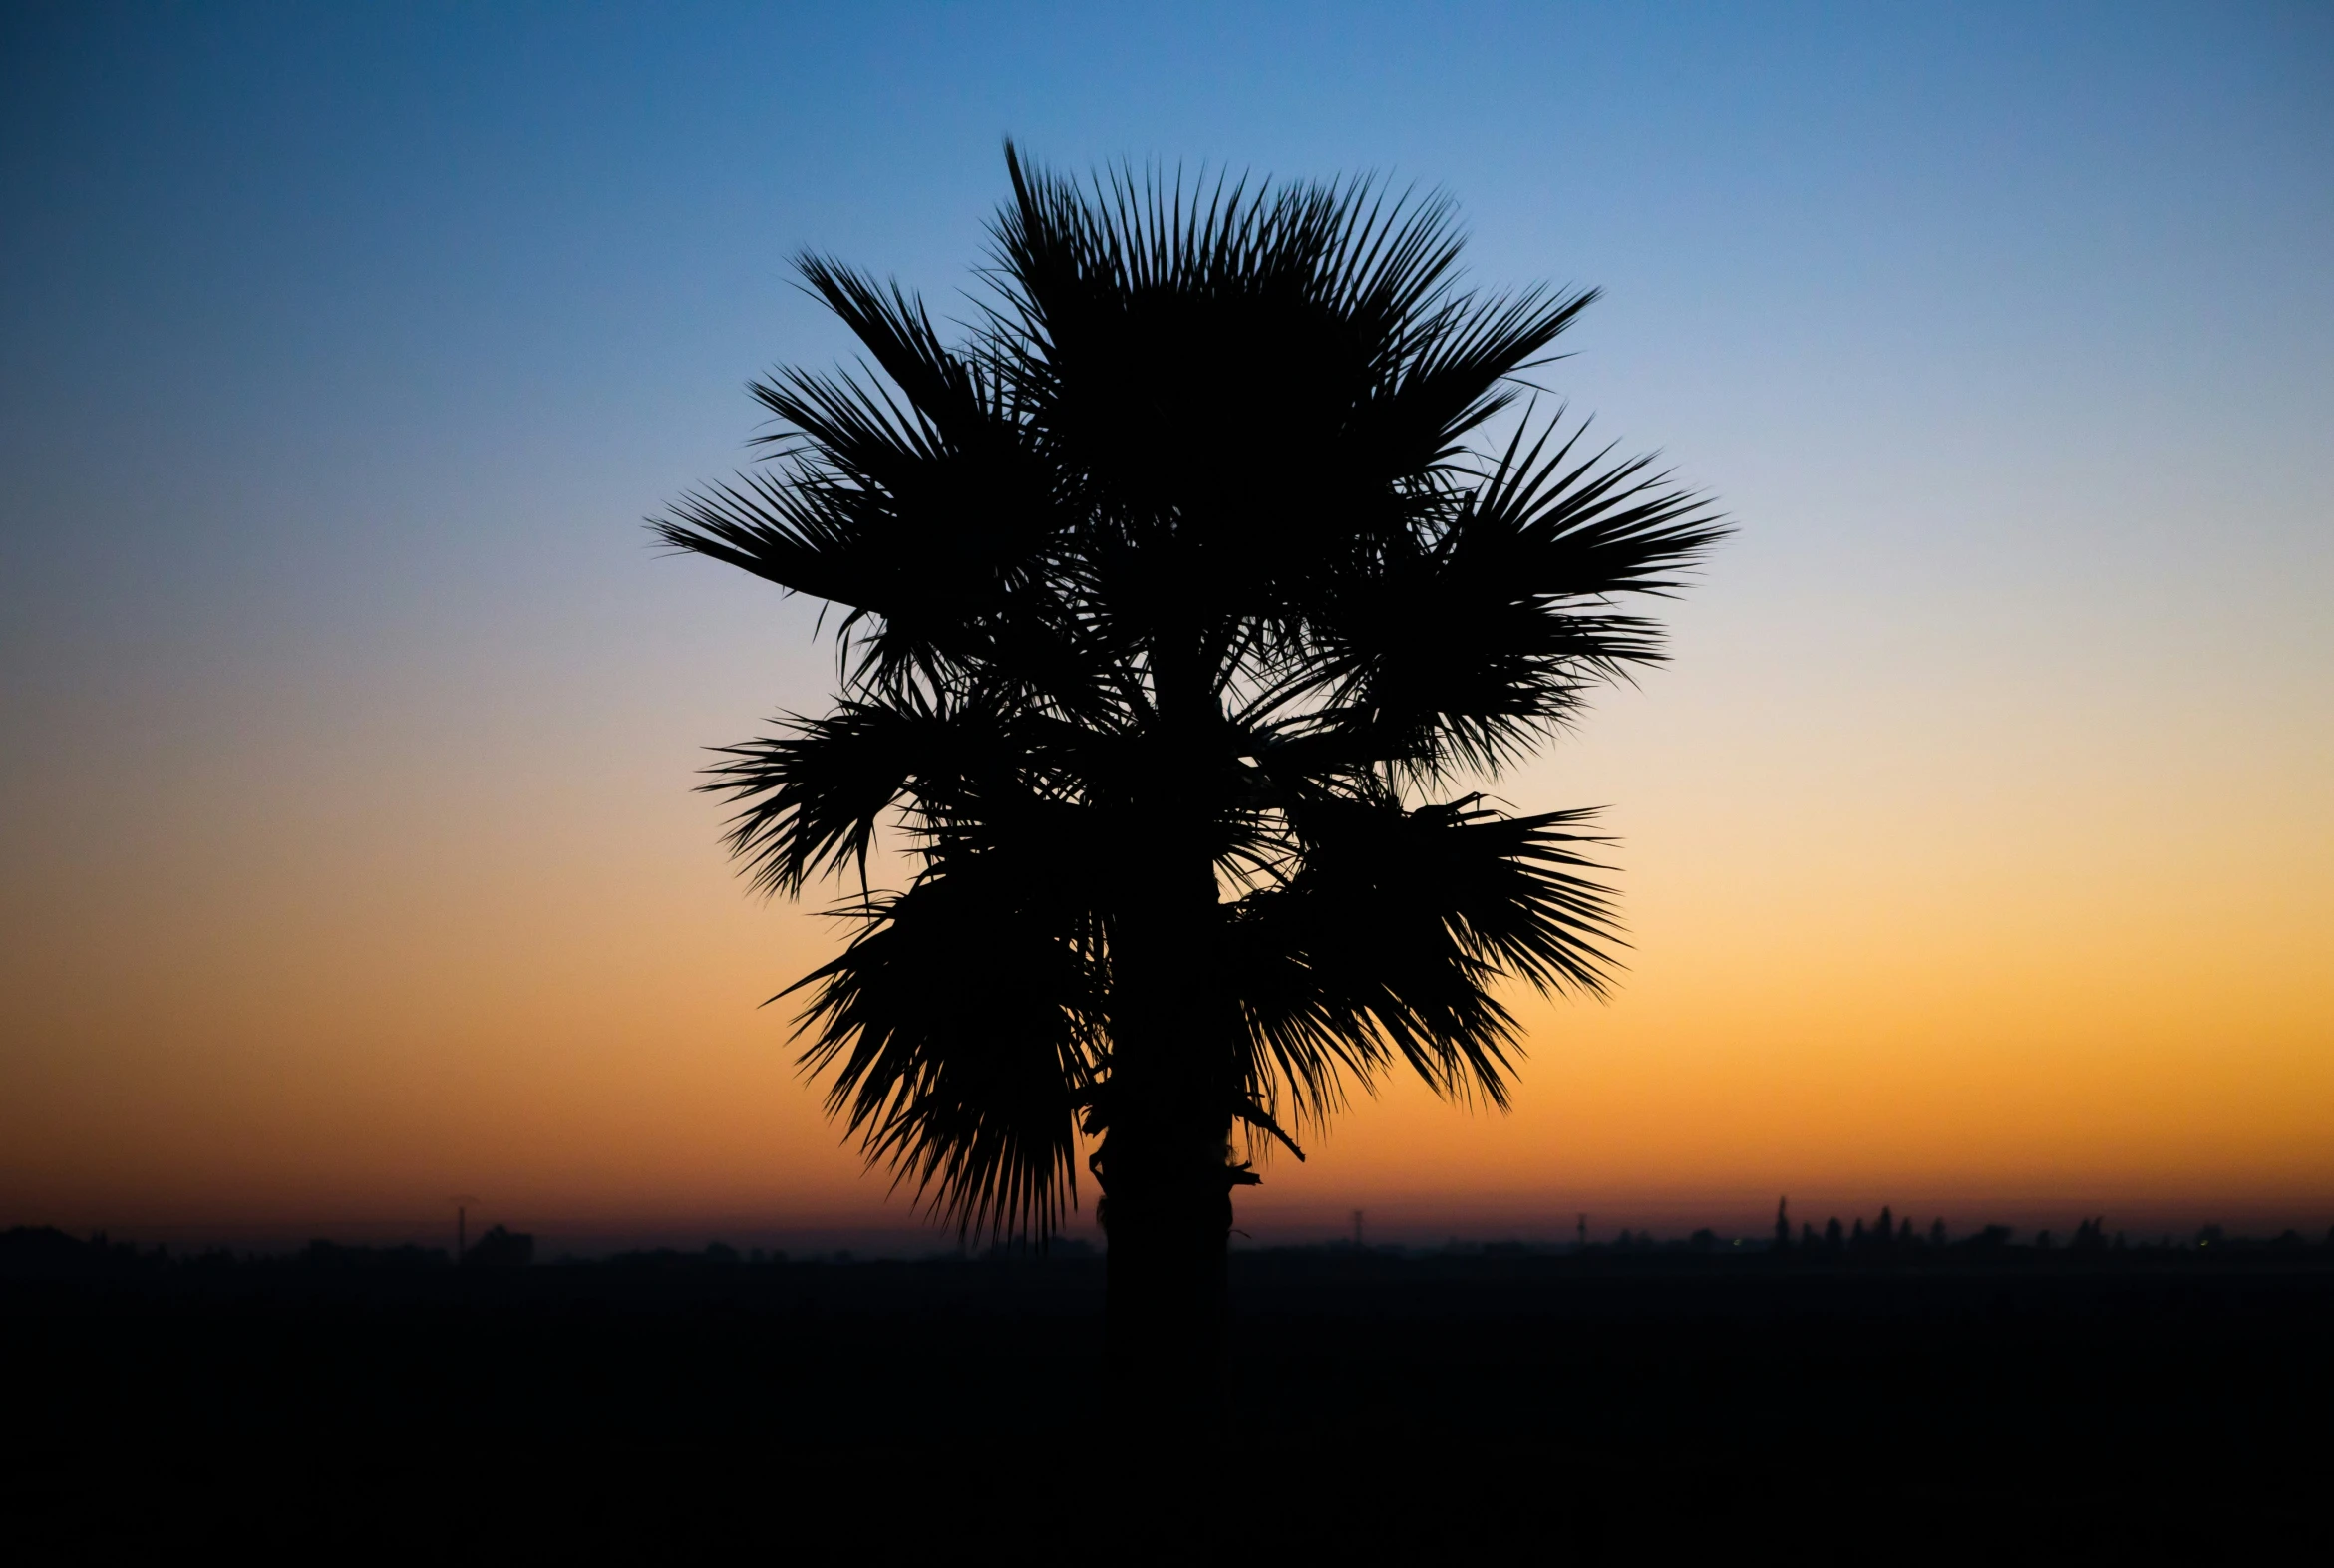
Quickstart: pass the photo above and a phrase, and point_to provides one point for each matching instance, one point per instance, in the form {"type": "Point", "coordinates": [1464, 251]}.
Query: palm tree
{"type": "Point", "coordinates": [1179, 601]}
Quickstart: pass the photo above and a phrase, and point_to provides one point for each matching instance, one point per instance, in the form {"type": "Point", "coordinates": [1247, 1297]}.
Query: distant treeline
{"type": "Point", "coordinates": [44, 1249]}
{"type": "Point", "coordinates": [30, 1251]}
{"type": "Point", "coordinates": [33, 1250]}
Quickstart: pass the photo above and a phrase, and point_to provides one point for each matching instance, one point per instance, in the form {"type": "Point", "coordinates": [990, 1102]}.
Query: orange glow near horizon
{"type": "Point", "coordinates": [1934, 981]}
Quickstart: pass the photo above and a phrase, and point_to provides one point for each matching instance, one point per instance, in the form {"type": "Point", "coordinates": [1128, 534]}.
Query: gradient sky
{"type": "Point", "coordinates": [1977, 848]}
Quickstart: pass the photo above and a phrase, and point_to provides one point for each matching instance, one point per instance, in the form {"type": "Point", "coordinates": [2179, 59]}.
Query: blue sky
{"type": "Point", "coordinates": [274, 270]}
{"type": "Point", "coordinates": [492, 236]}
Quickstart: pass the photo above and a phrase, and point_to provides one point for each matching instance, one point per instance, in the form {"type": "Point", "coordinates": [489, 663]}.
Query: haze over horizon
{"type": "Point", "coordinates": [1975, 845]}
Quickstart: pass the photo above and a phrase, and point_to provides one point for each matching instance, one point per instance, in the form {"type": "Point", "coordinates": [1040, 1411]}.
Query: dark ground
{"type": "Point", "coordinates": [1444, 1408]}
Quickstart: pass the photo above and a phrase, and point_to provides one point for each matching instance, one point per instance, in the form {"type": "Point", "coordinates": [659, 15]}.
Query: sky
{"type": "Point", "coordinates": [1976, 847]}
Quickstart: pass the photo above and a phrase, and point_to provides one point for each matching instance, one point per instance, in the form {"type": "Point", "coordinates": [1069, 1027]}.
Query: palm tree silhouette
{"type": "Point", "coordinates": [1177, 602]}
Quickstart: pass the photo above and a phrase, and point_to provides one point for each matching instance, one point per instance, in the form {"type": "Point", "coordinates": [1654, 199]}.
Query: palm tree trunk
{"type": "Point", "coordinates": [1168, 1220]}
{"type": "Point", "coordinates": [1167, 1182]}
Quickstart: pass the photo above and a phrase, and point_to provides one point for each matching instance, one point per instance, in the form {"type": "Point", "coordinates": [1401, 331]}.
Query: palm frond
{"type": "Point", "coordinates": [1386, 942]}
{"type": "Point", "coordinates": [1462, 651]}
{"type": "Point", "coordinates": [960, 1029]}
{"type": "Point", "coordinates": [812, 797]}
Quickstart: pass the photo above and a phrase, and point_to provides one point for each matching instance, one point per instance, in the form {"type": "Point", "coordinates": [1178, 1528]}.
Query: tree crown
{"type": "Point", "coordinates": [1188, 558]}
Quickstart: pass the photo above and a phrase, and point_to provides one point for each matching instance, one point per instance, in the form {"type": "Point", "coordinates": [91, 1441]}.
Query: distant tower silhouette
{"type": "Point", "coordinates": [1783, 1224]}
{"type": "Point", "coordinates": [1584, 1232]}
{"type": "Point", "coordinates": [1356, 1230]}
{"type": "Point", "coordinates": [461, 1203]}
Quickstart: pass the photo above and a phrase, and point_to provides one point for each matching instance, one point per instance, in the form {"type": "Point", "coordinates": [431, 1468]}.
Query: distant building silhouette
{"type": "Point", "coordinates": [500, 1248]}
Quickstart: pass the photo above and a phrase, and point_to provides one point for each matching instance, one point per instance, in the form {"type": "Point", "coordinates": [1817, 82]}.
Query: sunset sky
{"type": "Point", "coordinates": [1978, 845]}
